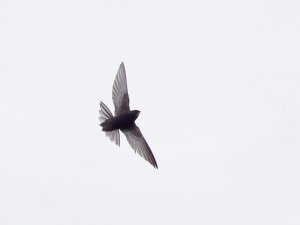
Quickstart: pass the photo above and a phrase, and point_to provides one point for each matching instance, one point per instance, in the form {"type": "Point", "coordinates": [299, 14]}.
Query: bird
{"type": "Point", "coordinates": [124, 119]}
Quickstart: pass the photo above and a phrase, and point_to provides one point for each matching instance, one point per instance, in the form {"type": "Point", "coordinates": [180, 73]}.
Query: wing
{"type": "Point", "coordinates": [120, 92]}
{"type": "Point", "coordinates": [139, 144]}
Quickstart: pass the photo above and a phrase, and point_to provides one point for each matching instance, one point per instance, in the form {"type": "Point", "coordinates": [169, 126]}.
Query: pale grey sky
{"type": "Point", "coordinates": [217, 84]}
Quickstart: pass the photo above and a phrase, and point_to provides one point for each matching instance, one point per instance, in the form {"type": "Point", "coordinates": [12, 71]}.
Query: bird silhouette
{"type": "Point", "coordinates": [124, 119]}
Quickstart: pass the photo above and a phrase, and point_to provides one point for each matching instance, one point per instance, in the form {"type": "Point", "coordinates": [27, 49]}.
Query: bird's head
{"type": "Point", "coordinates": [136, 113]}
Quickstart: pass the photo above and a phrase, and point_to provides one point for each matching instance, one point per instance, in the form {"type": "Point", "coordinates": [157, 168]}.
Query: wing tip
{"type": "Point", "coordinates": [122, 66]}
{"type": "Point", "coordinates": [153, 163]}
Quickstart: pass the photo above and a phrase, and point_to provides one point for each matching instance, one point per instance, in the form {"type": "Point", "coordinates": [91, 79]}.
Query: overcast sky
{"type": "Point", "coordinates": [218, 87]}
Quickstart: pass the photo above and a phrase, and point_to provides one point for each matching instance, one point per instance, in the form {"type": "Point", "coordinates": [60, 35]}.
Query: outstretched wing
{"type": "Point", "coordinates": [120, 93]}
{"type": "Point", "coordinates": [139, 144]}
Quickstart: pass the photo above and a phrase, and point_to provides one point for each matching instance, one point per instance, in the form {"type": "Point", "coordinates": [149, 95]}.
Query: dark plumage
{"type": "Point", "coordinates": [124, 119]}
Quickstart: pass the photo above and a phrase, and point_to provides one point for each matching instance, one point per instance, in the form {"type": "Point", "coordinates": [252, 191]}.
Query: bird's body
{"type": "Point", "coordinates": [124, 119]}
{"type": "Point", "coordinates": [122, 122]}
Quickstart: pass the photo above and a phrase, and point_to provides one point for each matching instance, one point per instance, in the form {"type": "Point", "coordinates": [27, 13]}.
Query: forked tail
{"type": "Point", "coordinates": [105, 114]}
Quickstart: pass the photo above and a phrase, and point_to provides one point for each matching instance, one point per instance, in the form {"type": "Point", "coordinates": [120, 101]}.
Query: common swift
{"type": "Point", "coordinates": [124, 119]}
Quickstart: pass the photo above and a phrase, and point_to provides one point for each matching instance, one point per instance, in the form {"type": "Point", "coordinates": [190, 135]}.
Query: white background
{"type": "Point", "coordinates": [217, 84]}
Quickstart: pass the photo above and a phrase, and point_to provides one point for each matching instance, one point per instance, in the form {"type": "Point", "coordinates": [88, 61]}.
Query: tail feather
{"type": "Point", "coordinates": [114, 136]}
{"type": "Point", "coordinates": [105, 114]}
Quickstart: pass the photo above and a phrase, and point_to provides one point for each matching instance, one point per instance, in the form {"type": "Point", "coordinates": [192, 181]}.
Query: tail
{"type": "Point", "coordinates": [105, 114]}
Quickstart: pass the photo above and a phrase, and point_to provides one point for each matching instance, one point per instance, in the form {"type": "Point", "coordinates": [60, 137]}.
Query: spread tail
{"type": "Point", "coordinates": [105, 114]}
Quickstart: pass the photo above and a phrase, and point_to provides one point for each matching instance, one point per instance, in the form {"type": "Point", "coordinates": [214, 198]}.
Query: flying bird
{"type": "Point", "coordinates": [124, 119]}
